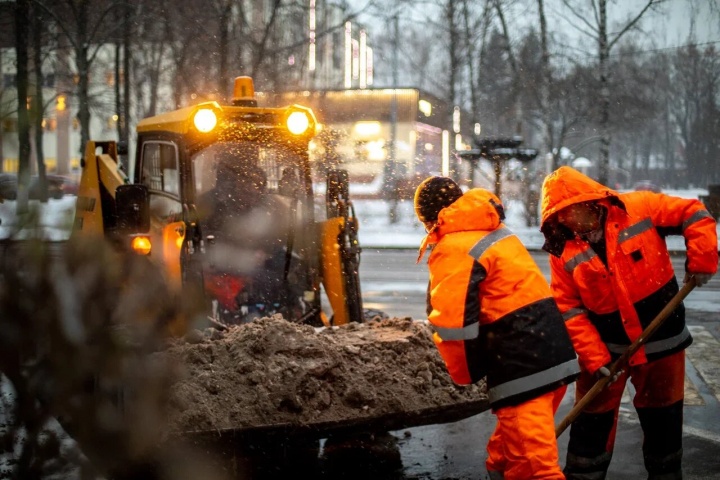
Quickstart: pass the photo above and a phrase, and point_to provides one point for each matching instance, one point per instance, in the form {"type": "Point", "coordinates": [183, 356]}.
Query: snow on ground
{"type": "Point", "coordinates": [376, 230]}
{"type": "Point", "coordinates": [53, 220]}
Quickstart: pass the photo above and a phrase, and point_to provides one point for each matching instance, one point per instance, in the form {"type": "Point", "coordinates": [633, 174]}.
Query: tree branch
{"type": "Point", "coordinates": [632, 23]}
{"type": "Point", "coordinates": [582, 18]}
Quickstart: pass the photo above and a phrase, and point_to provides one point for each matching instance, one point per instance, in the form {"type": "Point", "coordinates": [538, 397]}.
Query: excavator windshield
{"type": "Point", "coordinates": [240, 161]}
{"type": "Point", "coordinates": [250, 213]}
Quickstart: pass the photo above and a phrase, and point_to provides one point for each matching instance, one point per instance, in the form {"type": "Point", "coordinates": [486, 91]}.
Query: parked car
{"type": "Point", "coordinates": [67, 185]}
{"type": "Point", "coordinates": [58, 186]}
{"type": "Point", "coordinates": [647, 185]}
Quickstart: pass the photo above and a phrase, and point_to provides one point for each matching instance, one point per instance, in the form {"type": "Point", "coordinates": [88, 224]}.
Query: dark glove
{"type": "Point", "coordinates": [700, 278]}
{"type": "Point", "coordinates": [603, 372]}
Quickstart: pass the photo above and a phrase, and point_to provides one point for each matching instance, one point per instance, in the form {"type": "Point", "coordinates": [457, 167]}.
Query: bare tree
{"type": "Point", "coordinates": [597, 29]}
{"type": "Point", "coordinates": [512, 62]}
{"type": "Point", "coordinates": [37, 104]}
{"type": "Point", "coordinates": [88, 27]}
{"type": "Point", "coordinates": [22, 24]}
{"type": "Point", "coordinates": [475, 47]}
{"type": "Point", "coordinates": [81, 364]}
{"type": "Point", "coordinates": [545, 82]}
{"type": "Point", "coordinates": [695, 81]}
{"type": "Point", "coordinates": [123, 44]}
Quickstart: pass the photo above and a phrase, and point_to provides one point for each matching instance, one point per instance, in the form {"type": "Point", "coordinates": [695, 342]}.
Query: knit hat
{"type": "Point", "coordinates": [434, 194]}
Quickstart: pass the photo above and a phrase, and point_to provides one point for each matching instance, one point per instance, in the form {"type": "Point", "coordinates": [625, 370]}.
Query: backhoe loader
{"type": "Point", "coordinates": [222, 199]}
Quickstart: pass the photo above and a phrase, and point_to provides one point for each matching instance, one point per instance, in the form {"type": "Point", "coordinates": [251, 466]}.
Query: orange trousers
{"type": "Point", "coordinates": [523, 445]}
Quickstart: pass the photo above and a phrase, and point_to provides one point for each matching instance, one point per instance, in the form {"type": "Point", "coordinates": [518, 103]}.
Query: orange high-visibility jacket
{"type": "Point", "coordinates": [492, 310]}
{"type": "Point", "coordinates": [607, 306]}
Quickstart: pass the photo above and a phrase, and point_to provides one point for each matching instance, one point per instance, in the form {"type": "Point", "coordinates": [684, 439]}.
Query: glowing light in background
{"type": "Point", "coordinates": [348, 55]}
{"type": "Point", "coordinates": [311, 52]}
{"type": "Point", "coordinates": [445, 152]}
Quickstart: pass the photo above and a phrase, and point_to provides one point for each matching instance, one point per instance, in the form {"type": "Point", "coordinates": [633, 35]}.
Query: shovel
{"type": "Point", "coordinates": [620, 363]}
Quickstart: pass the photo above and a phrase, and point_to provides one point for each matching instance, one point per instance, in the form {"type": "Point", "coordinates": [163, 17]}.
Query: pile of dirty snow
{"type": "Point", "coordinates": [274, 372]}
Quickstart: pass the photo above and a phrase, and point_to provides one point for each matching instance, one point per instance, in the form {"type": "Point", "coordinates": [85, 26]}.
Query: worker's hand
{"type": "Point", "coordinates": [605, 372]}
{"type": "Point", "coordinates": [700, 278]}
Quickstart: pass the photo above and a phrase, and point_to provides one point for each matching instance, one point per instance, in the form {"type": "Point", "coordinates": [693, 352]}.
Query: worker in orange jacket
{"type": "Point", "coordinates": [611, 276]}
{"type": "Point", "coordinates": [494, 317]}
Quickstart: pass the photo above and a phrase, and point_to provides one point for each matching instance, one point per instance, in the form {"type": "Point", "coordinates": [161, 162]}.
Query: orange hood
{"type": "Point", "coordinates": [564, 187]}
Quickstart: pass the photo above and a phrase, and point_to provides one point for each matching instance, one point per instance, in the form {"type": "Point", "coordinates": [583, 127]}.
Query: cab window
{"type": "Point", "coordinates": [161, 174]}
{"type": "Point", "coordinates": [160, 167]}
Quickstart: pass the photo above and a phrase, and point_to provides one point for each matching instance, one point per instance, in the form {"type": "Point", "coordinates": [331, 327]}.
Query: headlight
{"type": "Point", "coordinates": [205, 120]}
{"type": "Point", "coordinates": [141, 245]}
{"type": "Point", "coordinates": [298, 123]}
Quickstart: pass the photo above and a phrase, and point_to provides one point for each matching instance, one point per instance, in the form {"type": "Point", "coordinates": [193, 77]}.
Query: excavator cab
{"type": "Point", "coordinates": [231, 211]}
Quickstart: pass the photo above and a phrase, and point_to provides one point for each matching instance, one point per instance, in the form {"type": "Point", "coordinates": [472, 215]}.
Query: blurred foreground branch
{"type": "Point", "coordinates": [84, 389]}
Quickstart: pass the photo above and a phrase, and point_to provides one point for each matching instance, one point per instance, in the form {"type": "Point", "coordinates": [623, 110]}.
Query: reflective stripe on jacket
{"type": "Point", "coordinates": [606, 306]}
{"type": "Point", "coordinates": [492, 309]}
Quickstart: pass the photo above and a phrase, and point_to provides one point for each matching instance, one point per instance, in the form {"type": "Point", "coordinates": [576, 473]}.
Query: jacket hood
{"type": "Point", "coordinates": [567, 186]}
{"type": "Point", "coordinates": [477, 209]}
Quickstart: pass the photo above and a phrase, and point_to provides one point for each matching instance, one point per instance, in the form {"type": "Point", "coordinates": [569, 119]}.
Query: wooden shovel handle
{"type": "Point", "coordinates": [620, 363]}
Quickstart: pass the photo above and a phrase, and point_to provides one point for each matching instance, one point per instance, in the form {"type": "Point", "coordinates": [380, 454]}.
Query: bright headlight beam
{"type": "Point", "coordinates": [298, 123]}
{"type": "Point", "coordinates": [205, 120]}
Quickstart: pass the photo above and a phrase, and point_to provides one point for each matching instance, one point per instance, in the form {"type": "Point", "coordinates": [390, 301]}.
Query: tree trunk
{"type": "Point", "coordinates": [64, 86]}
{"type": "Point", "coordinates": [224, 36]}
{"type": "Point", "coordinates": [82, 61]}
{"type": "Point", "coordinates": [603, 54]}
{"type": "Point", "coordinates": [118, 98]}
{"type": "Point", "coordinates": [38, 102]}
{"type": "Point", "coordinates": [470, 54]}
{"type": "Point", "coordinates": [514, 67]}
{"type": "Point", "coordinates": [453, 47]}
{"type": "Point", "coordinates": [22, 17]}
{"type": "Point", "coordinates": [545, 82]}
{"type": "Point", "coordinates": [127, 56]}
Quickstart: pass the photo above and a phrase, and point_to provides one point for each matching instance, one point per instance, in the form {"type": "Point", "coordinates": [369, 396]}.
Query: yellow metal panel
{"type": "Point", "coordinates": [88, 214]}
{"type": "Point", "coordinates": [109, 174]}
{"type": "Point", "coordinates": [176, 121]}
{"type": "Point", "coordinates": [333, 280]}
{"type": "Point", "coordinates": [173, 235]}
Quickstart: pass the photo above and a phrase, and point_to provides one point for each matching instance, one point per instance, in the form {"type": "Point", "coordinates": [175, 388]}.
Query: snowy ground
{"type": "Point", "coordinates": [54, 219]}
{"type": "Point", "coordinates": [376, 230]}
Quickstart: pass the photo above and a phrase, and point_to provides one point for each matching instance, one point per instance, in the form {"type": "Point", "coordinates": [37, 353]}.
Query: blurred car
{"type": "Point", "coordinates": [8, 186]}
{"type": "Point", "coordinates": [58, 186]}
{"type": "Point", "coordinates": [66, 185]}
{"type": "Point", "coordinates": [646, 185]}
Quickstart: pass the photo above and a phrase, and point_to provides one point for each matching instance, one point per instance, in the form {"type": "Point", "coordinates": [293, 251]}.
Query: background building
{"type": "Point", "coordinates": [360, 127]}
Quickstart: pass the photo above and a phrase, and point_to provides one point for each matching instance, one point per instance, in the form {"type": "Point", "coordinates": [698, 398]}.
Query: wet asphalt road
{"type": "Point", "coordinates": [394, 283]}
{"type": "Point", "coordinates": [391, 281]}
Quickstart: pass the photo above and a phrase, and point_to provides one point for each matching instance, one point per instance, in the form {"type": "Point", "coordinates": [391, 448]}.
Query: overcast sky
{"type": "Point", "coordinates": [668, 26]}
